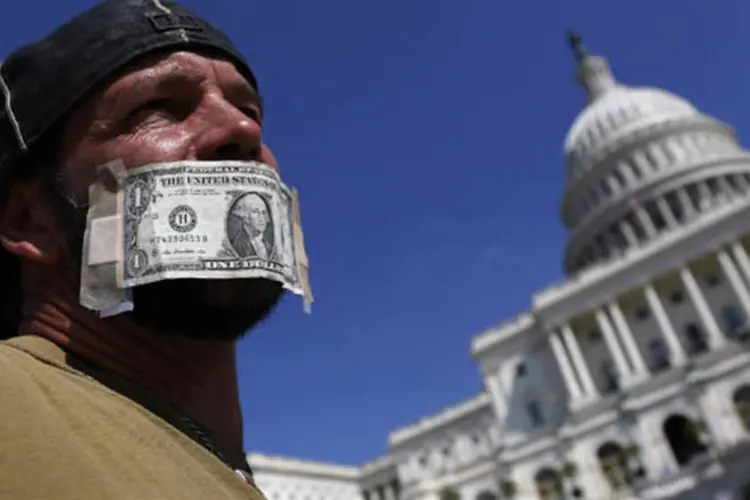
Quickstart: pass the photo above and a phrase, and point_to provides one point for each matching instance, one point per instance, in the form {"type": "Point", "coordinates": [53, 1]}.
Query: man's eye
{"type": "Point", "coordinates": [157, 106]}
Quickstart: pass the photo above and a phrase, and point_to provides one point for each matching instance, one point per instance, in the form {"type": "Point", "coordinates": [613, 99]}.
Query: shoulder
{"type": "Point", "coordinates": [29, 375]}
{"type": "Point", "coordinates": [19, 382]}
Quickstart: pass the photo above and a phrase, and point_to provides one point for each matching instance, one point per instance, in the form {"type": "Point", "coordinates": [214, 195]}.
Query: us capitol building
{"type": "Point", "coordinates": [629, 380]}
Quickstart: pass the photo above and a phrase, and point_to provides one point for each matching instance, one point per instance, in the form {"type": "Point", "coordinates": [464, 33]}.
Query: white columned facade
{"type": "Point", "coordinates": [677, 353]}
{"type": "Point", "coordinates": [618, 355]}
{"type": "Point", "coordinates": [715, 338]}
{"type": "Point", "coordinates": [735, 280]}
{"type": "Point", "coordinates": [743, 261]}
{"type": "Point", "coordinates": [579, 362]}
{"type": "Point", "coordinates": [569, 377]}
{"type": "Point", "coordinates": [640, 371]}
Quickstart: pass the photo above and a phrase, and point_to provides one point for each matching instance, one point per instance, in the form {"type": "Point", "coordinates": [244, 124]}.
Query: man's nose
{"type": "Point", "coordinates": [229, 134]}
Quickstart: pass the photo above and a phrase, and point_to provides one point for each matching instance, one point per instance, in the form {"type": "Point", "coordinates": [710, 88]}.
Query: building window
{"type": "Point", "coordinates": [676, 297]}
{"type": "Point", "coordinates": [613, 461]}
{"type": "Point", "coordinates": [594, 335]}
{"type": "Point", "coordinates": [696, 340]}
{"type": "Point", "coordinates": [734, 320]}
{"type": "Point", "coordinates": [521, 370]}
{"type": "Point", "coordinates": [659, 354]}
{"type": "Point", "coordinates": [712, 280]}
{"type": "Point", "coordinates": [641, 313]}
{"type": "Point", "coordinates": [534, 410]}
{"type": "Point", "coordinates": [611, 379]}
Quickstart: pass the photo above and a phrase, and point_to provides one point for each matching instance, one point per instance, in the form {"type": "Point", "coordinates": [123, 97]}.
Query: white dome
{"type": "Point", "coordinates": [614, 110]}
{"type": "Point", "coordinates": [617, 109]}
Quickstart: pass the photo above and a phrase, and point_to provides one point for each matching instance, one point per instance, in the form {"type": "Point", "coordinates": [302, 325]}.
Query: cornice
{"type": "Point", "coordinates": [443, 418]}
{"type": "Point", "coordinates": [381, 465]}
{"type": "Point", "coordinates": [507, 330]}
{"type": "Point", "coordinates": [288, 465]}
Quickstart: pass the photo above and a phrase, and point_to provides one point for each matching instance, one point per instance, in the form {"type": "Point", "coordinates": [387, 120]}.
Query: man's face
{"type": "Point", "coordinates": [178, 106]}
{"type": "Point", "coordinates": [256, 213]}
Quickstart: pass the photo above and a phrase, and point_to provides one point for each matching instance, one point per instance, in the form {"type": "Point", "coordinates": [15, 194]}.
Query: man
{"type": "Point", "coordinates": [142, 405]}
{"type": "Point", "coordinates": [250, 229]}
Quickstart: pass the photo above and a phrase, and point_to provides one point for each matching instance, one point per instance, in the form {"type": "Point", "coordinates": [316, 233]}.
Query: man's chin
{"type": "Point", "coordinates": [211, 310]}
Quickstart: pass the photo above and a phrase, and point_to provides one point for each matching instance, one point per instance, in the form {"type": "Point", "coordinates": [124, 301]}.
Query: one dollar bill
{"type": "Point", "coordinates": [213, 220]}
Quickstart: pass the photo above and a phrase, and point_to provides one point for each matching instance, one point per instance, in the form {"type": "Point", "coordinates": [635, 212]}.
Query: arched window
{"type": "Point", "coordinates": [549, 484]}
{"type": "Point", "coordinates": [614, 464]}
{"type": "Point", "coordinates": [742, 405]}
{"type": "Point", "coordinates": [683, 437]}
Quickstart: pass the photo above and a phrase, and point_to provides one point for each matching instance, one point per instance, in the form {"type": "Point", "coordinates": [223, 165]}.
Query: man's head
{"type": "Point", "coordinates": [187, 96]}
{"type": "Point", "coordinates": [253, 209]}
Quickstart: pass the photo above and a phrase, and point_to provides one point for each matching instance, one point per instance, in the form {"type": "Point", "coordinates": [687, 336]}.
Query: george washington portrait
{"type": "Point", "coordinates": [250, 227]}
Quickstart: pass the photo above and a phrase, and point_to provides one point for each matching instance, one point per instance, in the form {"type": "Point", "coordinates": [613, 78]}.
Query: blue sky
{"type": "Point", "coordinates": [425, 137]}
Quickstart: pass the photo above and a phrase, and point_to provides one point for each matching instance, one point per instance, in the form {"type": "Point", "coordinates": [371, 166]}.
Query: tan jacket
{"type": "Point", "coordinates": [66, 436]}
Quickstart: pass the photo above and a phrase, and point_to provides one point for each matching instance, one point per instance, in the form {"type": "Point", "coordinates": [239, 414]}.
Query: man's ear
{"type": "Point", "coordinates": [28, 226]}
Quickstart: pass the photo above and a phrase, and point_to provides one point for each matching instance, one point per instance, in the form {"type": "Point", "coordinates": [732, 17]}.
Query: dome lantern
{"type": "Point", "coordinates": [593, 72]}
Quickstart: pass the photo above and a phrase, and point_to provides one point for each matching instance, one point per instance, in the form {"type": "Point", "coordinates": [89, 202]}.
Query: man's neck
{"type": "Point", "coordinates": [197, 377]}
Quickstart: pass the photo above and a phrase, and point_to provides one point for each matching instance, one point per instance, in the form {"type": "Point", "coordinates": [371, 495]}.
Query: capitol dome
{"type": "Point", "coordinates": [616, 112]}
{"type": "Point", "coordinates": [639, 162]}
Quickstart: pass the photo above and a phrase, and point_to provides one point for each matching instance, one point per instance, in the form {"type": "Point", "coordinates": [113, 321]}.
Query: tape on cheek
{"type": "Point", "coordinates": [104, 239]}
{"type": "Point", "coordinates": [102, 246]}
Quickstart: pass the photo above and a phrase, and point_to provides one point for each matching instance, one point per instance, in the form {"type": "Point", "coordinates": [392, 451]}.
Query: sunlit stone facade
{"type": "Point", "coordinates": [632, 378]}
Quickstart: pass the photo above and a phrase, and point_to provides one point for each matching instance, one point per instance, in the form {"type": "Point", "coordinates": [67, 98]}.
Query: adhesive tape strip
{"type": "Point", "coordinates": [104, 239]}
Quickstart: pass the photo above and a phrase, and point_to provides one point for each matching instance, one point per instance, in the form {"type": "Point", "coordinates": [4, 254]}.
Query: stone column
{"type": "Point", "coordinates": [741, 181]}
{"type": "Point", "coordinates": [706, 197]}
{"type": "Point", "coordinates": [629, 233]}
{"type": "Point", "coordinates": [666, 212]}
{"type": "Point", "coordinates": [640, 371]}
{"type": "Point", "coordinates": [726, 188]}
{"type": "Point", "coordinates": [743, 261]}
{"type": "Point", "coordinates": [569, 377]}
{"type": "Point", "coordinates": [677, 353]}
{"type": "Point", "coordinates": [618, 355]}
{"type": "Point", "coordinates": [493, 383]}
{"type": "Point", "coordinates": [579, 363]}
{"type": "Point", "coordinates": [687, 204]}
{"type": "Point", "coordinates": [645, 219]}
{"type": "Point", "coordinates": [715, 338]}
{"type": "Point", "coordinates": [389, 493]}
{"type": "Point", "coordinates": [735, 280]}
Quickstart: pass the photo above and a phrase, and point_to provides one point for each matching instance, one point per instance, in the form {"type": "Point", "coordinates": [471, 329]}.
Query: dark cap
{"type": "Point", "coordinates": [41, 82]}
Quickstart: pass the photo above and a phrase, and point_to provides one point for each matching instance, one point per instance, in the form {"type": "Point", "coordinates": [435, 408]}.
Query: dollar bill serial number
{"type": "Point", "coordinates": [178, 238]}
